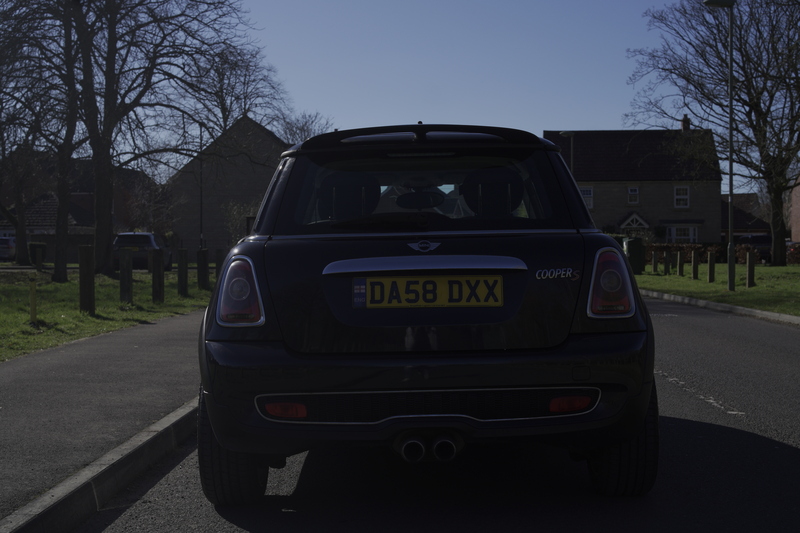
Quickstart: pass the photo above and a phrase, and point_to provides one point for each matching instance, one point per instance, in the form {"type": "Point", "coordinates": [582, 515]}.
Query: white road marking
{"type": "Point", "coordinates": [708, 399]}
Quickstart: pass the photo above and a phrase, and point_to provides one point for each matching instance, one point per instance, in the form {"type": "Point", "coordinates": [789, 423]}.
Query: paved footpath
{"type": "Point", "coordinates": [63, 408]}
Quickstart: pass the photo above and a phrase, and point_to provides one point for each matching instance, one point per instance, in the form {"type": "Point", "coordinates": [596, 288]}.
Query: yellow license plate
{"type": "Point", "coordinates": [428, 291]}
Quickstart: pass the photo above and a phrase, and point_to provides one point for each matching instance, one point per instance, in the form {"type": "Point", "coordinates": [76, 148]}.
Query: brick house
{"type": "Point", "coordinates": [662, 184]}
{"type": "Point", "coordinates": [41, 203]}
{"type": "Point", "coordinates": [214, 192]}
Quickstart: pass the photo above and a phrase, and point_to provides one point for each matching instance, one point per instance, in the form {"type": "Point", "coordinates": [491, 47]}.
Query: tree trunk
{"type": "Point", "coordinates": [21, 228]}
{"type": "Point", "coordinates": [777, 225]}
{"type": "Point", "coordinates": [103, 212]}
{"type": "Point", "coordinates": [62, 221]}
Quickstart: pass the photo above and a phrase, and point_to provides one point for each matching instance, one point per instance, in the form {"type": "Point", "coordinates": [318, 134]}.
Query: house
{"type": "Point", "coordinates": [662, 184]}
{"type": "Point", "coordinates": [748, 216]}
{"type": "Point", "coordinates": [214, 193]}
{"type": "Point", "coordinates": [41, 203]}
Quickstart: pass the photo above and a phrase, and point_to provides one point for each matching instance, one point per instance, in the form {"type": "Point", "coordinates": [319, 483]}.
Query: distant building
{"type": "Point", "coordinates": [41, 203]}
{"type": "Point", "coordinates": [664, 184]}
{"type": "Point", "coordinates": [748, 216]}
{"type": "Point", "coordinates": [214, 193]}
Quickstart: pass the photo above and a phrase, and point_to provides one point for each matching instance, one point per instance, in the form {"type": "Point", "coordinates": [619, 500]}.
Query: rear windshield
{"type": "Point", "coordinates": [427, 191]}
{"type": "Point", "coordinates": [133, 240]}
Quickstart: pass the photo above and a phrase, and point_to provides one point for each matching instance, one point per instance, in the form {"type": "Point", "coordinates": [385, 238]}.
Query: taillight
{"type": "Point", "coordinates": [611, 293]}
{"type": "Point", "coordinates": [240, 299]}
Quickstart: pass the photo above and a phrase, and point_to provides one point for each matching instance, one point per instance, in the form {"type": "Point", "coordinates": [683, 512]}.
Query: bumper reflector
{"type": "Point", "coordinates": [569, 404]}
{"type": "Point", "coordinates": [286, 410]}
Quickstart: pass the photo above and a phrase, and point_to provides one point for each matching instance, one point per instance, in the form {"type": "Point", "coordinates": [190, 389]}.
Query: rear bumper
{"type": "Point", "coordinates": [237, 376]}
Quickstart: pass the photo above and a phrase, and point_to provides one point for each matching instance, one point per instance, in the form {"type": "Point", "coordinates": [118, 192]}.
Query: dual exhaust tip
{"type": "Point", "coordinates": [443, 448]}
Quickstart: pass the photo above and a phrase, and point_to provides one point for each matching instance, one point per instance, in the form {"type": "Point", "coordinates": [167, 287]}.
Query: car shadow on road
{"type": "Point", "coordinates": [711, 478]}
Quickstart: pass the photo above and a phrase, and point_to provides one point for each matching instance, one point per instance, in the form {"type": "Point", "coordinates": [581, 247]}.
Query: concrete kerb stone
{"type": "Point", "coordinates": [79, 497]}
{"type": "Point", "coordinates": [724, 308]}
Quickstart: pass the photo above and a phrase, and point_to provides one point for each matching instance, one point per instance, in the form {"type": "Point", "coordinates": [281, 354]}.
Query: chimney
{"type": "Point", "coordinates": [686, 124]}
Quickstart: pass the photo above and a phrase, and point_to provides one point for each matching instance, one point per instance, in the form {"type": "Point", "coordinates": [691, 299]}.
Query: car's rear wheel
{"type": "Point", "coordinates": [629, 468]}
{"type": "Point", "coordinates": [227, 478]}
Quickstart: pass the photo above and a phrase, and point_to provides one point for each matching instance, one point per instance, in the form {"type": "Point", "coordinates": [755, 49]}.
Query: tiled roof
{"type": "Point", "coordinates": [743, 221]}
{"type": "Point", "coordinates": [639, 155]}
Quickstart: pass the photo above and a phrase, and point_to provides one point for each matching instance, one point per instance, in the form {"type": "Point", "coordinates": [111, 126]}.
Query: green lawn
{"type": "Point", "coordinates": [777, 289]}
{"type": "Point", "coordinates": [59, 320]}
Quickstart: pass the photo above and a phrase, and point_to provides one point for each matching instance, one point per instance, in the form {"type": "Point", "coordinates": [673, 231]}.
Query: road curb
{"type": "Point", "coordinates": [76, 499]}
{"type": "Point", "coordinates": [724, 308]}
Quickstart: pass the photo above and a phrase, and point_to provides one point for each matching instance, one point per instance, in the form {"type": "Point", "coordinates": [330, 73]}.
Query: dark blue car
{"type": "Point", "coordinates": [422, 288]}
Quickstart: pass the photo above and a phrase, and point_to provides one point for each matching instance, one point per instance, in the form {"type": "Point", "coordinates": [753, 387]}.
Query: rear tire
{"type": "Point", "coordinates": [228, 478]}
{"type": "Point", "coordinates": [629, 468]}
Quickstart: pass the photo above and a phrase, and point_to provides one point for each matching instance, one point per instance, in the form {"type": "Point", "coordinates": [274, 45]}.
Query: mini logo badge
{"type": "Point", "coordinates": [424, 246]}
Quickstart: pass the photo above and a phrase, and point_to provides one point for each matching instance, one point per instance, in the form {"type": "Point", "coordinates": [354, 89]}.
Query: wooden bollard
{"type": "Point", "coordinates": [158, 276]}
{"type": "Point", "coordinates": [183, 272]}
{"type": "Point", "coordinates": [751, 270]}
{"type": "Point", "coordinates": [712, 259]}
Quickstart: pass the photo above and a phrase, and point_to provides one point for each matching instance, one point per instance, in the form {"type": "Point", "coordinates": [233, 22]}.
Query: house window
{"type": "Point", "coordinates": [633, 195]}
{"type": "Point", "coordinates": [682, 234]}
{"type": "Point", "coordinates": [681, 196]}
{"type": "Point", "coordinates": [588, 196]}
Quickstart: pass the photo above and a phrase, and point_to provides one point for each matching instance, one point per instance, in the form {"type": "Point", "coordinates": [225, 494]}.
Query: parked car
{"type": "Point", "coordinates": [423, 288]}
{"type": "Point", "coordinates": [761, 243]}
{"type": "Point", "coordinates": [8, 250]}
{"type": "Point", "coordinates": [140, 244]}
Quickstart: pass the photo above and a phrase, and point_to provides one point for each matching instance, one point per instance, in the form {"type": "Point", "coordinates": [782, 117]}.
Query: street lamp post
{"type": "Point", "coordinates": [731, 247]}
{"type": "Point", "coordinates": [200, 155]}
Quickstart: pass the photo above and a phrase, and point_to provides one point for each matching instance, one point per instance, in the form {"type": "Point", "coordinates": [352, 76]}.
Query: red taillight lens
{"type": "Point", "coordinates": [286, 410]}
{"type": "Point", "coordinates": [610, 294]}
{"type": "Point", "coordinates": [569, 404]}
{"type": "Point", "coordinates": [240, 301]}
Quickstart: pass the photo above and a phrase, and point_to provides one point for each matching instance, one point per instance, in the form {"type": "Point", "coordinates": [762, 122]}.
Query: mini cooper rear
{"type": "Point", "coordinates": [423, 288]}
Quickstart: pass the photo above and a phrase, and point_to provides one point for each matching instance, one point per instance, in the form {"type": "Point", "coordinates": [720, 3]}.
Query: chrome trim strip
{"type": "Point", "coordinates": [425, 262]}
{"type": "Point", "coordinates": [441, 415]}
{"type": "Point", "coordinates": [426, 234]}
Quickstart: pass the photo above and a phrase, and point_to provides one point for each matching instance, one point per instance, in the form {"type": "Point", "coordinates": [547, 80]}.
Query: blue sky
{"type": "Point", "coordinates": [529, 64]}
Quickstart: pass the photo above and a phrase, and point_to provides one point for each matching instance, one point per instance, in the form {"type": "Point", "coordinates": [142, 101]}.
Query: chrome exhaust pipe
{"type": "Point", "coordinates": [444, 449]}
{"type": "Point", "coordinates": [412, 450]}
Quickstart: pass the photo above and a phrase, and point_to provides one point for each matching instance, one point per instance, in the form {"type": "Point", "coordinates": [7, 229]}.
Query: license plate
{"type": "Point", "coordinates": [428, 291]}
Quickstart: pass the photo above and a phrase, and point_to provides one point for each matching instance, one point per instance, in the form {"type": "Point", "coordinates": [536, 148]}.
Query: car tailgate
{"type": "Point", "coordinates": [402, 293]}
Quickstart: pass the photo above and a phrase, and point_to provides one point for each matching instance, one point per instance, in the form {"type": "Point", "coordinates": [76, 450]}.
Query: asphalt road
{"type": "Point", "coordinates": [730, 461]}
{"type": "Point", "coordinates": [63, 408]}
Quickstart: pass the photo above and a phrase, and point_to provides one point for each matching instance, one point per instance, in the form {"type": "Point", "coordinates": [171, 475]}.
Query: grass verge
{"type": "Point", "coordinates": [777, 289]}
{"type": "Point", "coordinates": [58, 318]}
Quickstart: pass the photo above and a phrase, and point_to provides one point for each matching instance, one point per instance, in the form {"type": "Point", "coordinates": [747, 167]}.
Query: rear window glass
{"type": "Point", "coordinates": [425, 191]}
{"type": "Point", "coordinates": [133, 240]}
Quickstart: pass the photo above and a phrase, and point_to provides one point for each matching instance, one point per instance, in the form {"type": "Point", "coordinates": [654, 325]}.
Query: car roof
{"type": "Point", "coordinates": [407, 136]}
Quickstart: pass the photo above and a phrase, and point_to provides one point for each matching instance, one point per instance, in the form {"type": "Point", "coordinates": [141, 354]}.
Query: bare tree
{"type": "Point", "coordinates": [135, 83]}
{"type": "Point", "coordinates": [296, 128]}
{"type": "Point", "coordinates": [134, 58]}
{"type": "Point", "coordinates": [688, 74]}
{"type": "Point", "coordinates": [39, 57]}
